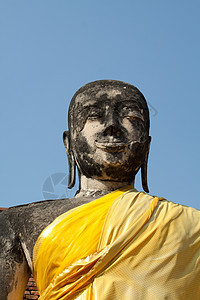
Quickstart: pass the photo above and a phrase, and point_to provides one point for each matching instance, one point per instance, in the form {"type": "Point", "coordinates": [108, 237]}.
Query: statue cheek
{"type": "Point", "coordinates": [83, 144]}
{"type": "Point", "coordinates": [135, 130]}
{"type": "Point", "coordinates": [92, 129]}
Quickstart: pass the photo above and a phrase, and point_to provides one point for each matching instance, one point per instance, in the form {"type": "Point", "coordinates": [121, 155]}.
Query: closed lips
{"type": "Point", "coordinates": [111, 146]}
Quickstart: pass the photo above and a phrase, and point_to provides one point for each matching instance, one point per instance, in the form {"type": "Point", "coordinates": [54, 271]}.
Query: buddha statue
{"type": "Point", "coordinates": [109, 241]}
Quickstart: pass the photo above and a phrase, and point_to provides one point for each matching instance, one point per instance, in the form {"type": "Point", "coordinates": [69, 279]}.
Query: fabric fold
{"type": "Point", "coordinates": [125, 245]}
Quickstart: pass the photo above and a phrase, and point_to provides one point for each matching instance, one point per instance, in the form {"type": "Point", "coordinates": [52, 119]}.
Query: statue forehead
{"type": "Point", "coordinates": [110, 93]}
{"type": "Point", "coordinates": [103, 93]}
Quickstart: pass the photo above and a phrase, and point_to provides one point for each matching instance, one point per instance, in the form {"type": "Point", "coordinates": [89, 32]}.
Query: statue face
{"type": "Point", "coordinates": [109, 136]}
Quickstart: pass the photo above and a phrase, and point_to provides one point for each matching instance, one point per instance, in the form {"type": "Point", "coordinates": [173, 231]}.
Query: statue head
{"type": "Point", "coordinates": [108, 137]}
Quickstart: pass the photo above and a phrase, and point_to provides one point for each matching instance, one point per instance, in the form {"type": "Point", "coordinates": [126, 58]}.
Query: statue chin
{"type": "Point", "coordinates": [111, 163]}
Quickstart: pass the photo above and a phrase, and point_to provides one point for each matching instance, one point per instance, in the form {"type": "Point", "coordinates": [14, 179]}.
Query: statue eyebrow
{"type": "Point", "coordinates": [90, 103]}
{"type": "Point", "coordinates": [94, 104]}
{"type": "Point", "coordinates": [81, 107]}
{"type": "Point", "coordinates": [87, 109]}
{"type": "Point", "coordinates": [90, 107]}
{"type": "Point", "coordinates": [129, 103]}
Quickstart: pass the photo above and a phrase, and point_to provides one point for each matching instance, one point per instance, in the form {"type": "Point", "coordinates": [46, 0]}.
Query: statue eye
{"type": "Point", "coordinates": [132, 118]}
{"type": "Point", "coordinates": [131, 114]}
{"type": "Point", "coordinates": [94, 114]}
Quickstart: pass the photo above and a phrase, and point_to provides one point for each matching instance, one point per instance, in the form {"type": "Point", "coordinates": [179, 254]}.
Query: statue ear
{"type": "Point", "coordinates": [71, 160]}
{"type": "Point", "coordinates": [144, 168]}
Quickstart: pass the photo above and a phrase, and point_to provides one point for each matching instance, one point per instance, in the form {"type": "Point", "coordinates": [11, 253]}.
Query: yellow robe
{"type": "Point", "coordinates": [125, 245]}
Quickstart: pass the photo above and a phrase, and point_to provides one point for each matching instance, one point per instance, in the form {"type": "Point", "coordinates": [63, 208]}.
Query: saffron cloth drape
{"type": "Point", "coordinates": [125, 245]}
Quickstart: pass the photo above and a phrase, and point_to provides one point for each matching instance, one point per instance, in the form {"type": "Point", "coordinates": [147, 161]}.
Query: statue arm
{"type": "Point", "coordinates": [14, 270]}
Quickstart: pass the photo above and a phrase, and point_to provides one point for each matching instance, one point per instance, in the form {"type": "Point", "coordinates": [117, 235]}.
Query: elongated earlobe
{"type": "Point", "coordinates": [144, 169]}
{"type": "Point", "coordinates": [71, 160]}
{"type": "Point", "coordinates": [144, 176]}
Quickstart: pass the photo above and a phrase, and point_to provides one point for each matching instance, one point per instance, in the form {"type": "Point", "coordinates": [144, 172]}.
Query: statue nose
{"type": "Point", "coordinates": [112, 130]}
{"type": "Point", "coordinates": [112, 126]}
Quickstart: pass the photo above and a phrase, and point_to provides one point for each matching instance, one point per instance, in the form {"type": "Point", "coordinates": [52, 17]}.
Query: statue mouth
{"type": "Point", "coordinates": [111, 146]}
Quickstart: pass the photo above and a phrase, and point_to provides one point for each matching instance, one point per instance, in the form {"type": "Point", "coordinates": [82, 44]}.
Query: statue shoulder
{"type": "Point", "coordinates": [29, 220]}
{"type": "Point", "coordinates": [42, 211]}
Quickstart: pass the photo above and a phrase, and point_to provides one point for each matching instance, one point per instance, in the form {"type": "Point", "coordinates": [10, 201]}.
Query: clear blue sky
{"type": "Point", "coordinates": [51, 48]}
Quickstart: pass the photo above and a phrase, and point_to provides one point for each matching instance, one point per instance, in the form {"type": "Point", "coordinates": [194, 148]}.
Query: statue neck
{"type": "Point", "coordinates": [90, 187]}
